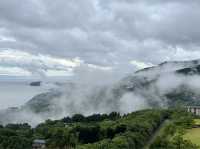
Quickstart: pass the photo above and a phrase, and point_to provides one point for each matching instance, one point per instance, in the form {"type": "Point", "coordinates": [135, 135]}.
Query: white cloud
{"type": "Point", "coordinates": [146, 31]}
{"type": "Point", "coordinates": [15, 62]}
{"type": "Point", "coordinates": [105, 68]}
{"type": "Point", "coordinates": [140, 65]}
{"type": "Point", "coordinates": [23, 63]}
{"type": "Point", "coordinates": [14, 71]}
{"type": "Point", "coordinates": [59, 73]}
{"type": "Point", "coordinates": [181, 54]}
{"type": "Point", "coordinates": [4, 38]}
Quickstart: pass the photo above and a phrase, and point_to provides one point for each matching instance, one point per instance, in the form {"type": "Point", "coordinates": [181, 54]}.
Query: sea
{"type": "Point", "coordinates": [16, 91]}
{"type": "Point", "coordinates": [14, 94]}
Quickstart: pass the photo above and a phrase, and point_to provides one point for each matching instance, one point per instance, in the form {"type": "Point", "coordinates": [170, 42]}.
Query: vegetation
{"type": "Point", "coordinates": [102, 131]}
{"type": "Point", "coordinates": [172, 135]}
{"type": "Point", "coordinates": [196, 122]}
{"type": "Point", "coordinates": [106, 130]}
{"type": "Point", "coordinates": [130, 131]}
{"type": "Point", "coordinates": [193, 135]}
{"type": "Point", "coordinates": [15, 136]}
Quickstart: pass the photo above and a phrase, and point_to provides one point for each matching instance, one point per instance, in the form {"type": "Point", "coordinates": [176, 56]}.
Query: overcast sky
{"type": "Point", "coordinates": [56, 37]}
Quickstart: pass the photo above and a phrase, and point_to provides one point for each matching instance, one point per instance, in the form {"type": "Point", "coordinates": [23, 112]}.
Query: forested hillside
{"type": "Point", "coordinates": [98, 131]}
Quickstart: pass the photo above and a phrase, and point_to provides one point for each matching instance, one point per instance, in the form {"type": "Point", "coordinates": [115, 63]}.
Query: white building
{"type": "Point", "coordinates": [39, 144]}
{"type": "Point", "coordinates": [194, 109]}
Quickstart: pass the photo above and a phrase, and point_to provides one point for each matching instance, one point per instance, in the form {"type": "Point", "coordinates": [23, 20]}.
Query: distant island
{"type": "Point", "coordinates": [36, 83]}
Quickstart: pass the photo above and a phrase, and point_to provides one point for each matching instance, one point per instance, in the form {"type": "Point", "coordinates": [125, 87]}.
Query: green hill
{"type": "Point", "coordinates": [101, 131]}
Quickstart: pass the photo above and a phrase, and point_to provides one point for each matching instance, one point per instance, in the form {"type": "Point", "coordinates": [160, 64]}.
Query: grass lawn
{"type": "Point", "coordinates": [193, 135]}
{"type": "Point", "coordinates": [197, 121]}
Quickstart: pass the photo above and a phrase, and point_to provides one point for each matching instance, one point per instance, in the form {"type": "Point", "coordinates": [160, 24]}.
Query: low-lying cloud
{"type": "Point", "coordinates": [101, 95]}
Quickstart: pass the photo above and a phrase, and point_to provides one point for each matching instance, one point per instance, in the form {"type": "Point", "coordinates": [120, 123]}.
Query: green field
{"type": "Point", "coordinates": [197, 121]}
{"type": "Point", "coordinates": [193, 135]}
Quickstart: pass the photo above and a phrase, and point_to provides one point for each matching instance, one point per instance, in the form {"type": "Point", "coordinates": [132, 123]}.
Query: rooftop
{"type": "Point", "coordinates": [39, 141]}
{"type": "Point", "coordinates": [193, 106]}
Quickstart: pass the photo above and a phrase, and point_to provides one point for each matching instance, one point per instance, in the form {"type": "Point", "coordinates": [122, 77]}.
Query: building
{"type": "Point", "coordinates": [194, 109]}
{"type": "Point", "coordinates": [39, 144]}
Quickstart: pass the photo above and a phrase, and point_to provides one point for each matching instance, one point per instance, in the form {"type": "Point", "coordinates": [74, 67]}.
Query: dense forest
{"type": "Point", "coordinates": [102, 131]}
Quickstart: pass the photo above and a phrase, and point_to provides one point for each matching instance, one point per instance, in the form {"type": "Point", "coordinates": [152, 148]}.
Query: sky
{"type": "Point", "coordinates": [55, 38]}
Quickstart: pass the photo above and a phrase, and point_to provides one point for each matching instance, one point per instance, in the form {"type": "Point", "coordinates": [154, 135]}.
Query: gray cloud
{"type": "Point", "coordinates": [103, 32]}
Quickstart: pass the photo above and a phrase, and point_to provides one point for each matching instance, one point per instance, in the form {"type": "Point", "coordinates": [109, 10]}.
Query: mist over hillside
{"type": "Point", "coordinates": [165, 85]}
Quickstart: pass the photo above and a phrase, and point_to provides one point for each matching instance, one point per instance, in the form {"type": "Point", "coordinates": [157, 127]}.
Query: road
{"type": "Point", "coordinates": [156, 134]}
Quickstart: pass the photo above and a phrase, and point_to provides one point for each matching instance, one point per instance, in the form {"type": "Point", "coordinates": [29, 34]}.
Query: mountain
{"type": "Point", "coordinates": [174, 83]}
{"type": "Point", "coordinates": [168, 67]}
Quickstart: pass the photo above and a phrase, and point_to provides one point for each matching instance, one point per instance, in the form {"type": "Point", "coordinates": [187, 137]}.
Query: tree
{"type": "Point", "coordinates": [78, 118]}
{"type": "Point", "coordinates": [88, 134]}
{"type": "Point", "coordinates": [62, 138]}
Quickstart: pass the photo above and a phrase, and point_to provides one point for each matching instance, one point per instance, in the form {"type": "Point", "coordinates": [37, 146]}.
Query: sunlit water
{"type": "Point", "coordinates": [13, 94]}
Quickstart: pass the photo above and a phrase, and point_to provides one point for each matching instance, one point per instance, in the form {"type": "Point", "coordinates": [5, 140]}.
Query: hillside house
{"type": "Point", "coordinates": [194, 109]}
{"type": "Point", "coordinates": [39, 144]}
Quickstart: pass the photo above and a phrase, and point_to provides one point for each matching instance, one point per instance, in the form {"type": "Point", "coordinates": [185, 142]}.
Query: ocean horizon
{"type": "Point", "coordinates": [14, 93]}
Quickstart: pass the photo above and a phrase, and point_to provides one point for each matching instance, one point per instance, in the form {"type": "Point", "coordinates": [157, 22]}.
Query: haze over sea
{"type": "Point", "coordinates": [15, 91]}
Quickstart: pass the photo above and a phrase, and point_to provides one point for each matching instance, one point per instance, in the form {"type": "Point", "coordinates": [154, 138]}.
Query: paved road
{"type": "Point", "coordinates": [157, 132]}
